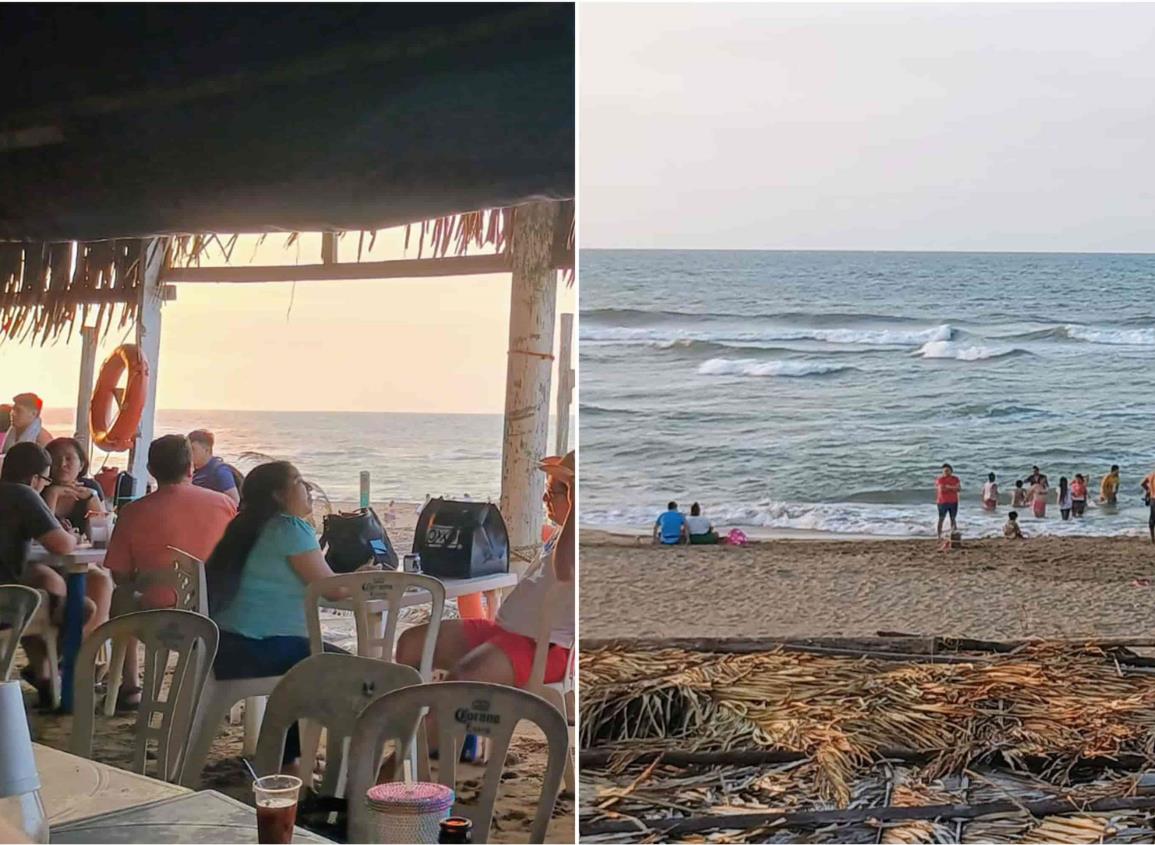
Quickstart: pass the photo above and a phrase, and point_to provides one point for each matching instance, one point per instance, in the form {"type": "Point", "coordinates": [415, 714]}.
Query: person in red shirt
{"type": "Point", "coordinates": [947, 486]}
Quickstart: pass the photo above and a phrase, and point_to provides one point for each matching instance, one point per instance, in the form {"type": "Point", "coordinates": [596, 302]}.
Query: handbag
{"type": "Point", "coordinates": [353, 539]}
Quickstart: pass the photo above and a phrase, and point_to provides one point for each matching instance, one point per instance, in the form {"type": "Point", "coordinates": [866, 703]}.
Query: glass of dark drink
{"type": "Point", "coordinates": [276, 798]}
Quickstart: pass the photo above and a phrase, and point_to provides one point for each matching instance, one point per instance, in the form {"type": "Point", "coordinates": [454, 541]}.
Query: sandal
{"type": "Point", "coordinates": [42, 686]}
{"type": "Point", "coordinates": [123, 705]}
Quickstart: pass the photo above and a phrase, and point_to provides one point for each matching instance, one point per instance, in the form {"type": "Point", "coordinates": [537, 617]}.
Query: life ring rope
{"type": "Point", "coordinates": [114, 413]}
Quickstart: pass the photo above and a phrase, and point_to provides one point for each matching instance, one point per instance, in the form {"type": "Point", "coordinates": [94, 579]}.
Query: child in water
{"type": "Point", "coordinates": [1011, 530]}
{"type": "Point", "coordinates": [990, 493]}
{"type": "Point", "coordinates": [1019, 497]}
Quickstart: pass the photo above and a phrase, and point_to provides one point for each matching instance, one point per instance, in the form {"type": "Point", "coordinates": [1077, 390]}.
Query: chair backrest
{"type": "Point", "coordinates": [492, 711]}
{"type": "Point", "coordinates": [186, 576]}
{"type": "Point", "coordinates": [386, 587]}
{"type": "Point", "coordinates": [17, 607]}
{"type": "Point", "coordinates": [331, 690]}
{"type": "Point", "coordinates": [166, 714]}
{"type": "Point", "coordinates": [541, 649]}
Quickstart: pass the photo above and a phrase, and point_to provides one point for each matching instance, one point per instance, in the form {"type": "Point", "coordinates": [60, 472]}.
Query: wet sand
{"type": "Point", "coordinates": [997, 589]}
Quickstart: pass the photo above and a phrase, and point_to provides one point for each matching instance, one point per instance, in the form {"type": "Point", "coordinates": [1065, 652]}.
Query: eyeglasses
{"type": "Point", "coordinates": [47, 479]}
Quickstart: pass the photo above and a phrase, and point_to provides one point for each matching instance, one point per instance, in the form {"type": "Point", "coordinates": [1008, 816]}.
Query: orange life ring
{"type": "Point", "coordinates": [116, 433]}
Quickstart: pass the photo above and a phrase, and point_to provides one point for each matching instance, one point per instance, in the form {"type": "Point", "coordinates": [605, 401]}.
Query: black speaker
{"type": "Point", "coordinates": [461, 539]}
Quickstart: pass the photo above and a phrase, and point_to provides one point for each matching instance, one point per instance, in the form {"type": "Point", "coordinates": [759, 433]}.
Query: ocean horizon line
{"type": "Point", "coordinates": [848, 251]}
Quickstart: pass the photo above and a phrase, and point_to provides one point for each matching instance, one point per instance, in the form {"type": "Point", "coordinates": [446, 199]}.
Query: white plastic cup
{"type": "Point", "coordinates": [18, 774]}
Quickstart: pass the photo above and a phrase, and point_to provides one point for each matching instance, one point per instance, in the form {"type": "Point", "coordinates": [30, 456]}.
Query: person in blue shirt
{"type": "Point", "coordinates": [210, 471]}
{"type": "Point", "coordinates": [670, 527]}
{"type": "Point", "coordinates": [257, 577]}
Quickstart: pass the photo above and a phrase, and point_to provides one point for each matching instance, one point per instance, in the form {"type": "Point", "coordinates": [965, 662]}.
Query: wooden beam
{"type": "Point", "coordinates": [88, 343]}
{"type": "Point", "coordinates": [148, 339]}
{"type": "Point", "coordinates": [565, 383]}
{"type": "Point", "coordinates": [407, 268]}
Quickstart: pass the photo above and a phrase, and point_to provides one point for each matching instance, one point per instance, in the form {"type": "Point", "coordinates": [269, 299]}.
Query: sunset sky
{"type": "Point", "coordinates": [428, 345]}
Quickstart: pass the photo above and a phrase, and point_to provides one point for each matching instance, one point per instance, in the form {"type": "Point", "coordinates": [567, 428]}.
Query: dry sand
{"type": "Point", "coordinates": [1066, 587]}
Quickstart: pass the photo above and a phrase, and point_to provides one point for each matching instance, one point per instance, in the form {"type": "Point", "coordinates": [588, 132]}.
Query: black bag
{"type": "Point", "coordinates": [352, 540]}
{"type": "Point", "coordinates": [461, 539]}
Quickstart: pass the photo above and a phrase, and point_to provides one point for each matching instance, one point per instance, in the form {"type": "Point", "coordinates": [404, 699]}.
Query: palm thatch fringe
{"type": "Point", "coordinates": [47, 290]}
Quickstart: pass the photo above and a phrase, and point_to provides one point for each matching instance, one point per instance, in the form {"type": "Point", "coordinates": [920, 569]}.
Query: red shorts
{"type": "Point", "coordinates": [518, 649]}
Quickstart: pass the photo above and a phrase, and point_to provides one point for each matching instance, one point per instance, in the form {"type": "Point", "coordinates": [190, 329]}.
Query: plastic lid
{"type": "Point", "coordinates": [409, 798]}
{"type": "Point", "coordinates": [18, 773]}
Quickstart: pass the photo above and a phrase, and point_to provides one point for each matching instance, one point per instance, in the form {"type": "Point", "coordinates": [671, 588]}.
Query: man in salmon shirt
{"type": "Point", "coordinates": [947, 485]}
{"type": "Point", "coordinates": [178, 514]}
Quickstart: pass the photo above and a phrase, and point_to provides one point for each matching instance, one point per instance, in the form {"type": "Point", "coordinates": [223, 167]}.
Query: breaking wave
{"type": "Point", "coordinates": [959, 352]}
{"type": "Point", "coordinates": [751, 367]}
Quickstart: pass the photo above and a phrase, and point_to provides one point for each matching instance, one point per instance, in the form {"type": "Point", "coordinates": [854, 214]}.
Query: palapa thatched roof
{"type": "Point", "coordinates": [123, 122]}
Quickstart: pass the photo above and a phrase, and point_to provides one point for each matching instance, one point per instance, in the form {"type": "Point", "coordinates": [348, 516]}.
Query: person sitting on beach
{"type": "Point", "coordinates": [1019, 495]}
{"type": "Point", "coordinates": [1064, 499]}
{"type": "Point", "coordinates": [1109, 487]}
{"type": "Point", "coordinates": [209, 471]}
{"type": "Point", "coordinates": [1037, 496]}
{"type": "Point", "coordinates": [700, 528]}
{"type": "Point", "coordinates": [24, 517]}
{"type": "Point", "coordinates": [990, 496]}
{"type": "Point", "coordinates": [25, 423]}
{"type": "Point", "coordinates": [72, 495]}
{"type": "Point", "coordinates": [1078, 496]}
{"type": "Point", "coordinates": [176, 514]}
{"type": "Point", "coordinates": [257, 577]}
{"type": "Point", "coordinates": [947, 488]}
{"type": "Point", "coordinates": [670, 527]}
{"type": "Point", "coordinates": [1011, 530]}
{"type": "Point", "coordinates": [502, 651]}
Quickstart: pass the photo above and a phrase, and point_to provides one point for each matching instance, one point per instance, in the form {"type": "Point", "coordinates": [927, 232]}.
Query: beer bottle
{"type": "Point", "coordinates": [456, 829]}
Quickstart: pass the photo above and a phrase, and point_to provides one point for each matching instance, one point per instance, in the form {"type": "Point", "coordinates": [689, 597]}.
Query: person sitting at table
{"type": "Point", "coordinates": [25, 517]}
{"type": "Point", "coordinates": [257, 578]}
{"type": "Point", "coordinates": [72, 495]}
{"type": "Point", "coordinates": [501, 652]}
{"type": "Point", "coordinates": [176, 514]}
{"type": "Point", "coordinates": [209, 470]}
{"type": "Point", "coordinates": [25, 423]}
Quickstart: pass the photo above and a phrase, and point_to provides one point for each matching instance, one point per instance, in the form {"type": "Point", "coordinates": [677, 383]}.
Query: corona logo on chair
{"type": "Point", "coordinates": [116, 433]}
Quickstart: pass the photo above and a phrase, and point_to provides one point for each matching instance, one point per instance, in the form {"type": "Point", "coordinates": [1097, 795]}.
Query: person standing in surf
{"type": "Point", "coordinates": [1064, 499]}
{"type": "Point", "coordinates": [1109, 487]}
{"type": "Point", "coordinates": [1148, 486]}
{"type": "Point", "coordinates": [1037, 477]}
{"type": "Point", "coordinates": [947, 487]}
{"type": "Point", "coordinates": [1078, 496]}
{"type": "Point", "coordinates": [990, 495]}
{"type": "Point", "coordinates": [1019, 495]}
{"type": "Point", "coordinates": [1037, 496]}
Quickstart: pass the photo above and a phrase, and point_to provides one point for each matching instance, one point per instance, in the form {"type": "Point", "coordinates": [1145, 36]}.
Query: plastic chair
{"type": "Point", "coordinates": [193, 639]}
{"type": "Point", "coordinates": [187, 579]}
{"type": "Point", "coordinates": [560, 693]}
{"type": "Point", "coordinates": [330, 690]}
{"type": "Point", "coordinates": [18, 606]}
{"type": "Point", "coordinates": [39, 624]}
{"type": "Point", "coordinates": [377, 636]}
{"type": "Point", "coordinates": [489, 710]}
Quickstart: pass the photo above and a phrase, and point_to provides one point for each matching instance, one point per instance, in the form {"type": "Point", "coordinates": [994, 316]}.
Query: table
{"type": "Point", "coordinates": [488, 585]}
{"type": "Point", "coordinates": [76, 788]}
{"type": "Point", "coordinates": [206, 816]}
{"type": "Point", "coordinates": [75, 567]}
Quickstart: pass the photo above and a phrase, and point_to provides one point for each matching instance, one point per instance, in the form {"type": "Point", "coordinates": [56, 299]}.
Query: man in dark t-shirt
{"type": "Point", "coordinates": [24, 516]}
{"type": "Point", "coordinates": [209, 471]}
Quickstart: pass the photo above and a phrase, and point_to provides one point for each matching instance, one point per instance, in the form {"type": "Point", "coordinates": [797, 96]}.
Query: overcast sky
{"type": "Point", "coordinates": [951, 127]}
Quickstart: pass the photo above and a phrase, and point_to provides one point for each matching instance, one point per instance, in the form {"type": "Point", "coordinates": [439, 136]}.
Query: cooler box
{"type": "Point", "coordinates": [461, 539]}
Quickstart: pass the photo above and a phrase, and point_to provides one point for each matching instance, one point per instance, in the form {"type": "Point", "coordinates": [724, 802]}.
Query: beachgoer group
{"type": "Point", "coordinates": [674, 528]}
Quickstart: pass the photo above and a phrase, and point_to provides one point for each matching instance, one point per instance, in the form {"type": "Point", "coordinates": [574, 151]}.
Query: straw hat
{"type": "Point", "coordinates": [560, 466]}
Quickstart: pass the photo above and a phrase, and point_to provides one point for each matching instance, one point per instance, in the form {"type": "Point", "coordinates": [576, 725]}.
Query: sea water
{"type": "Point", "coordinates": [823, 390]}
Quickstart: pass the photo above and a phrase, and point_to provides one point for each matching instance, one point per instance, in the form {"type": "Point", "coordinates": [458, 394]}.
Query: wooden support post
{"type": "Point", "coordinates": [565, 384]}
{"type": "Point", "coordinates": [532, 314]}
{"type": "Point", "coordinates": [88, 343]}
{"type": "Point", "coordinates": [152, 297]}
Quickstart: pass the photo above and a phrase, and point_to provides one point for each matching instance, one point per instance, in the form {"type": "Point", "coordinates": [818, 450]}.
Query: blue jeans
{"type": "Point", "coordinates": [243, 657]}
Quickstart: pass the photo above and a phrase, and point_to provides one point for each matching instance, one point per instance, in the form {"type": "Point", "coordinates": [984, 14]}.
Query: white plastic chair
{"type": "Point", "coordinates": [330, 690]}
{"type": "Point", "coordinates": [489, 710]}
{"type": "Point", "coordinates": [186, 577]}
{"type": "Point", "coordinates": [165, 715]}
{"type": "Point", "coordinates": [38, 623]}
{"type": "Point", "coordinates": [560, 693]}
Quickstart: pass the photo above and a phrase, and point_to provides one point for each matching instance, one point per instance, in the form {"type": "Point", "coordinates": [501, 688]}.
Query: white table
{"type": "Point", "coordinates": [75, 567]}
{"type": "Point", "coordinates": [76, 788]}
{"type": "Point", "coordinates": [488, 585]}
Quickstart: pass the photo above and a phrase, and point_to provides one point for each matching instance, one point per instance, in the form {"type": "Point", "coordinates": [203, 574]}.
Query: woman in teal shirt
{"type": "Point", "coordinates": [257, 577]}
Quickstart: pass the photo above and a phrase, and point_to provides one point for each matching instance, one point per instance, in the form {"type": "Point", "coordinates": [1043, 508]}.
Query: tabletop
{"type": "Point", "coordinates": [74, 788]}
{"type": "Point", "coordinates": [83, 556]}
{"type": "Point", "coordinates": [454, 588]}
{"type": "Point", "coordinates": [206, 816]}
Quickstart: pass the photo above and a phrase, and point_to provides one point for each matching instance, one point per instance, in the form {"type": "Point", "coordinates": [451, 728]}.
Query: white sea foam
{"type": "Point", "coordinates": [1113, 337]}
{"type": "Point", "coordinates": [959, 352]}
{"type": "Point", "coordinates": [752, 367]}
{"type": "Point", "coordinates": [865, 337]}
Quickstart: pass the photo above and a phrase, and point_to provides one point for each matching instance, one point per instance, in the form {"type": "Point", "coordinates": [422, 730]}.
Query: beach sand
{"type": "Point", "coordinates": [517, 798]}
{"type": "Point", "coordinates": [997, 589]}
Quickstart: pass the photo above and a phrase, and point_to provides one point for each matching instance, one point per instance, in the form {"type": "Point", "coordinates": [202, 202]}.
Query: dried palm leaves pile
{"type": "Point", "coordinates": [1050, 721]}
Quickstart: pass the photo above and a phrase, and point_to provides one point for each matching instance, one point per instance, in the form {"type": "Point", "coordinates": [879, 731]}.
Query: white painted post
{"type": "Point", "coordinates": [565, 384]}
{"type": "Point", "coordinates": [148, 339]}
{"type": "Point", "coordinates": [88, 342]}
{"type": "Point", "coordinates": [532, 313]}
